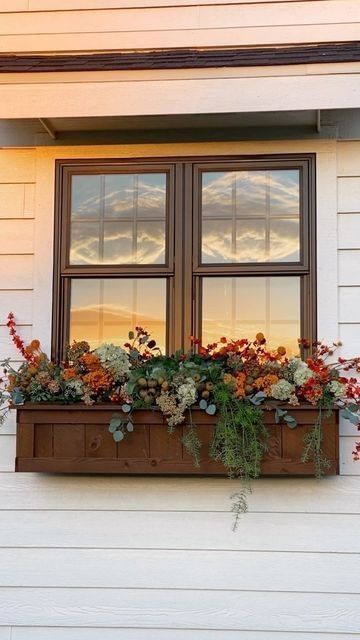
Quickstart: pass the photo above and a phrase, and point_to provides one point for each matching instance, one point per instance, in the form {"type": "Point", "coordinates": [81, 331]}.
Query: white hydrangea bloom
{"type": "Point", "coordinates": [302, 373]}
{"type": "Point", "coordinates": [337, 388]}
{"type": "Point", "coordinates": [186, 393]}
{"type": "Point", "coordinates": [115, 359]}
{"type": "Point", "coordinates": [74, 387]}
{"type": "Point", "coordinates": [282, 390]}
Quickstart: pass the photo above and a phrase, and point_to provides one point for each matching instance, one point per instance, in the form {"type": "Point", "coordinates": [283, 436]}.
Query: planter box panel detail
{"type": "Point", "coordinates": [75, 439]}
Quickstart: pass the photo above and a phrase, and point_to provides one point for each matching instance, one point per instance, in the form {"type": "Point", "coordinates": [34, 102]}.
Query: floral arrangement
{"type": "Point", "coordinates": [84, 376]}
{"type": "Point", "coordinates": [235, 379]}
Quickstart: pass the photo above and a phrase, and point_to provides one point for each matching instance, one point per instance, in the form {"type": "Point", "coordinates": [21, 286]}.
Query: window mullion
{"type": "Point", "coordinates": [190, 248]}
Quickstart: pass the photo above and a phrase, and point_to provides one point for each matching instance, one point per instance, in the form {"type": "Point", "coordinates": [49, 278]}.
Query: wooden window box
{"type": "Point", "coordinates": [75, 439]}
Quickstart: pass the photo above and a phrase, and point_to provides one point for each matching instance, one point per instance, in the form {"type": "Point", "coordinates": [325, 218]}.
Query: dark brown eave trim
{"type": "Point", "coordinates": [184, 58]}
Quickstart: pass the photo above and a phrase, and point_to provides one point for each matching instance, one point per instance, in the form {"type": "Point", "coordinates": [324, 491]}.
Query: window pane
{"type": "Point", "coordinates": [105, 310]}
{"type": "Point", "coordinates": [250, 216]}
{"type": "Point", "coordinates": [284, 240]}
{"type": "Point", "coordinates": [239, 307]}
{"type": "Point", "coordinates": [84, 242]}
{"type": "Point", "coordinates": [85, 197]}
{"type": "Point", "coordinates": [127, 214]}
{"type": "Point", "coordinates": [144, 193]}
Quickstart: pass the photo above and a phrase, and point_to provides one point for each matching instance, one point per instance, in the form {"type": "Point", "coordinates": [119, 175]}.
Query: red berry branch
{"type": "Point", "coordinates": [27, 352]}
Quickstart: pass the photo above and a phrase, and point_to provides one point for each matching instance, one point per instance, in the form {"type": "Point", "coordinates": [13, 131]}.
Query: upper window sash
{"type": "Point", "coordinates": [102, 224]}
{"type": "Point", "coordinates": [240, 203]}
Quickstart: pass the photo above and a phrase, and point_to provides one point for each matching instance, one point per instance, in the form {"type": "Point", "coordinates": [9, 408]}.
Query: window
{"type": "Point", "coordinates": [209, 247]}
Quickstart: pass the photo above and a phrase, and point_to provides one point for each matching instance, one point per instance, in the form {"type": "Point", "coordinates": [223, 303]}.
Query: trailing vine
{"type": "Point", "coordinates": [313, 450]}
{"type": "Point", "coordinates": [239, 443]}
{"type": "Point", "coordinates": [239, 440]}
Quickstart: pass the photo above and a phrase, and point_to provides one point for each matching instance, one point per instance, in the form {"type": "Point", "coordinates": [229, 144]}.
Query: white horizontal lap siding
{"type": "Point", "coordinates": [335, 495]}
{"type": "Point", "coordinates": [155, 569]}
{"type": "Point", "coordinates": [41, 633]}
{"type": "Point", "coordinates": [330, 533]}
{"type": "Point", "coordinates": [226, 610]}
{"type": "Point", "coordinates": [349, 277]}
{"type": "Point", "coordinates": [17, 213]}
{"type": "Point", "coordinates": [10, 6]}
{"type": "Point", "coordinates": [167, 24]}
{"type": "Point", "coordinates": [112, 558]}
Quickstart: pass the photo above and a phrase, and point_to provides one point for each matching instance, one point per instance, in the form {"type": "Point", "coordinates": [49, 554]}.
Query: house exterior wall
{"type": "Point", "coordinates": [90, 558]}
{"type": "Point", "coordinates": [105, 558]}
{"type": "Point", "coordinates": [74, 25]}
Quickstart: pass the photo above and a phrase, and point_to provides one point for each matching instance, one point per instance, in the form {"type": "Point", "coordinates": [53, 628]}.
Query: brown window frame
{"type": "Point", "coordinates": [183, 268]}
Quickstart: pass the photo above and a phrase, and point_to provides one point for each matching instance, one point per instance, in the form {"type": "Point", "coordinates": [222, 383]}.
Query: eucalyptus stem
{"type": "Point", "coordinates": [313, 445]}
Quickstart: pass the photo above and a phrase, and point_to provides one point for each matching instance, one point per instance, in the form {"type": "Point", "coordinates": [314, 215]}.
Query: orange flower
{"type": "Point", "coordinates": [32, 369]}
{"type": "Point", "coordinates": [99, 380]}
{"type": "Point", "coordinates": [69, 373]}
{"type": "Point", "coordinates": [281, 351]}
{"type": "Point", "coordinates": [34, 345]}
{"type": "Point", "coordinates": [260, 337]}
{"type": "Point", "coordinates": [264, 383]}
{"type": "Point", "coordinates": [11, 382]}
{"type": "Point", "coordinates": [90, 361]}
{"type": "Point", "coordinates": [240, 385]}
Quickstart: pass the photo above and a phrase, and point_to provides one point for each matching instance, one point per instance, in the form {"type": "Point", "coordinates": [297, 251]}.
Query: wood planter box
{"type": "Point", "coordinates": [75, 439]}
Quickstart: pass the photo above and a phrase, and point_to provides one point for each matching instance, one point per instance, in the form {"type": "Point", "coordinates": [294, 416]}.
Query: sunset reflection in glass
{"type": "Point", "coordinates": [240, 307]}
{"type": "Point", "coordinates": [105, 310]}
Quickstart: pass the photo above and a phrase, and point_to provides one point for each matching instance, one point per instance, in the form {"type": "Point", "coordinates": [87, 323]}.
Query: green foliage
{"type": "Point", "coordinates": [211, 409]}
{"type": "Point", "coordinates": [239, 442]}
{"type": "Point", "coordinates": [239, 504]}
{"type": "Point", "coordinates": [121, 423]}
{"type": "Point", "coordinates": [313, 445]}
{"type": "Point", "coordinates": [239, 435]}
{"type": "Point", "coordinates": [350, 414]}
{"type": "Point", "coordinates": [282, 414]}
{"type": "Point", "coordinates": [192, 442]}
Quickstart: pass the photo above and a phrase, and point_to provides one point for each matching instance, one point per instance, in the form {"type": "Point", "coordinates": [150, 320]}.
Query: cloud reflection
{"type": "Point", "coordinates": [246, 216]}
{"type": "Point", "coordinates": [251, 191]}
{"type": "Point", "coordinates": [120, 195]}
{"type": "Point", "coordinates": [120, 246]}
{"type": "Point", "coordinates": [137, 205]}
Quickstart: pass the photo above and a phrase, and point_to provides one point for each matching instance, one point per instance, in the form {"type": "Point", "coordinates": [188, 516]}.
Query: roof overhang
{"type": "Point", "coordinates": [306, 124]}
{"type": "Point", "coordinates": [180, 92]}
